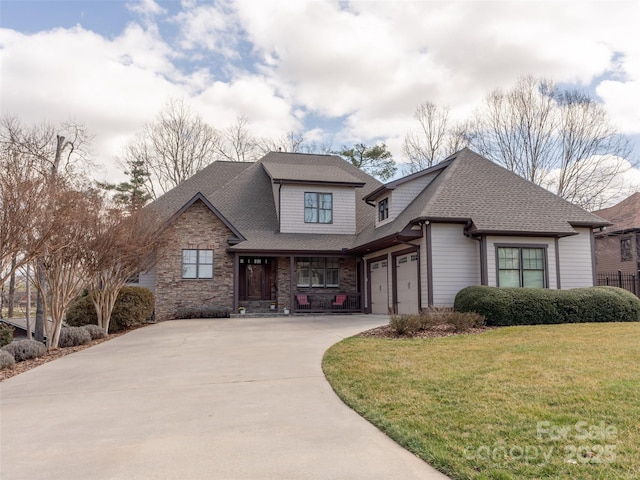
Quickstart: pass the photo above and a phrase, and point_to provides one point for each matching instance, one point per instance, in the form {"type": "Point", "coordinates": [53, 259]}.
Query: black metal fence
{"type": "Point", "coordinates": [628, 281]}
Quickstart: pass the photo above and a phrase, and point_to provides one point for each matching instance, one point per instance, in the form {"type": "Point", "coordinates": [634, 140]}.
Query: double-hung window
{"type": "Point", "coordinates": [317, 272]}
{"type": "Point", "coordinates": [383, 209]}
{"type": "Point", "coordinates": [522, 267]}
{"type": "Point", "coordinates": [318, 207]}
{"type": "Point", "coordinates": [625, 250]}
{"type": "Point", "coordinates": [197, 263]}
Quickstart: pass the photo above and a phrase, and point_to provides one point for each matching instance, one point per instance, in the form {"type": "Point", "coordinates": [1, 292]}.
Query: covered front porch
{"type": "Point", "coordinates": [297, 284]}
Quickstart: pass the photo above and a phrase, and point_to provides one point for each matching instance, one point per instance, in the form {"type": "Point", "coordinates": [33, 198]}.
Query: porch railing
{"type": "Point", "coordinates": [327, 302]}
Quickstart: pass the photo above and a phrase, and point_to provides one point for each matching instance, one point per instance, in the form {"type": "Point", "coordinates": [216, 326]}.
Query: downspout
{"type": "Point", "coordinates": [426, 233]}
{"type": "Point", "coordinates": [280, 208]}
{"type": "Point", "coordinates": [484, 280]}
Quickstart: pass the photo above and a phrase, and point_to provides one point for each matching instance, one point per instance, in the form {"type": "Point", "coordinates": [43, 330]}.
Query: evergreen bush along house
{"type": "Point", "coordinates": [312, 233]}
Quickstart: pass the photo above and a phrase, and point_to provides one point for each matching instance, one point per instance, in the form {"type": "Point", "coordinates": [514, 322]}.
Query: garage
{"type": "Point", "coordinates": [407, 289]}
{"type": "Point", "coordinates": [379, 287]}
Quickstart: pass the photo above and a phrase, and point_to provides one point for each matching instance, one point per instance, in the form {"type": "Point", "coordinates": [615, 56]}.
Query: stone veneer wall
{"type": "Point", "coordinates": [284, 292]}
{"type": "Point", "coordinates": [197, 228]}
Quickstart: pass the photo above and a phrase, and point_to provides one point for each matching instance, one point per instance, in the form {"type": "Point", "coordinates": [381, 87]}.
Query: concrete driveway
{"type": "Point", "coordinates": [240, 398]}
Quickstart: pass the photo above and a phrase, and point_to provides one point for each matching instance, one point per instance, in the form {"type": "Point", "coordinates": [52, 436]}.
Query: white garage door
{"type": "Point", "coordinates": [407, 283]}
{"type": "Point", "coordinates": [379, 288]}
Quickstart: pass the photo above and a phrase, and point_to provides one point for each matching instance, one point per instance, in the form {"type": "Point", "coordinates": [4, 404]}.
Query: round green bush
{"type": "Point", "coordinates": [534, 306]}
{"type": "Point", "coordinates": [134, 306]}
{"type": "Point", "coordinates": [81, 312]}
{"type": "Point", "coordinates": [6, 334]}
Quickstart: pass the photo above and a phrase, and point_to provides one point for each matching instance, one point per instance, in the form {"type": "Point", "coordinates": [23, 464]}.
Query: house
{"type": "Point", "coordinates": [618, 246]}
{"type": "Point", "coordinates": [313, 233]}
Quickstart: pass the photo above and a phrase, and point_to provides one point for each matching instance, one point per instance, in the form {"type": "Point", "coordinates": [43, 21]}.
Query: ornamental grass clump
{"type": "Point", "coordinates": [73, 336]}
{"type": "Point", "coordinates": [405, 324]}
{"type": "Point", "coordinates": [6, 359]}
{"type": "Point", "coordinates": [465, 321]}
{"type": "Point", "coordinates": [25, 350]}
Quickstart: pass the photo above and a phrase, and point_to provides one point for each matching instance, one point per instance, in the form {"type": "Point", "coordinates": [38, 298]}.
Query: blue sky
{"type": "Point", "coordinates": [337, 72]}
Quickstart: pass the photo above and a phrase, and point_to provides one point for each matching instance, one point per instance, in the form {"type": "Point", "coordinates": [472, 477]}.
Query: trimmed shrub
{"type": "Point", "coordinates": [212, 311]}
{"type": "Point", "coordinates": [81, 312]}
{"type": "Point", "coordinates": [6, 334]}
{"type": "Point", "coordinates": [133, 307]}
{"type": "Point", "coordinates": [534, 306]}
{"type": "Point", "coordinates": [6, 359]}
{"type": "Point", "coordinates": [73, 336]}
{"type": "Point", "coordinates": [25, 349]}
{"type": "Point", "coordinates": [95, 331]}
{"type": "Point", "coordinates": [405, 324]}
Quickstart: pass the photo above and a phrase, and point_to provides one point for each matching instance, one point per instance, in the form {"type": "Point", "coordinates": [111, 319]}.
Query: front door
{"type": "Point", "coordinates": [255, 281]}
{"type": "Point", "coordinates": [256, 278]}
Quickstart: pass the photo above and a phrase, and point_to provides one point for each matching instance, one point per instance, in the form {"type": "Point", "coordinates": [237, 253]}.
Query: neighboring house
{"type": "Point", "coordinates": [314, 233]}
{"type": "Point", "coordinates": [618, 246]}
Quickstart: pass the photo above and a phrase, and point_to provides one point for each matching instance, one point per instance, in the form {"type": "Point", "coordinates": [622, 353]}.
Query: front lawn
{"type": "Point", "coordinates": [559, 401]}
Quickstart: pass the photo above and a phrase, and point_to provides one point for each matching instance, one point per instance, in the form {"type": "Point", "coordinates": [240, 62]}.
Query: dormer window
{"type": "Point", "coordinates": [383, 209]}
{"type": "Point", "coordinates": [318, 207]}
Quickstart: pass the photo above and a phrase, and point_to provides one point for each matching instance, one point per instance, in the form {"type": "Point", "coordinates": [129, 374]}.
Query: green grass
{"type": "Point", "coordinates": [504, 404]}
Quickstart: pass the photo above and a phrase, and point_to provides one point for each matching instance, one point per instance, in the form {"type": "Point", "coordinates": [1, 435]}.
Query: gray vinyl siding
{"type": "Point", "coordinates": [549, 243]}
{"type": "Point", "coordinates": [456, 262]}
{"type": "Point", "coordinates": [292, 210]}
{"type": "Point", "coordinates": [576, 267]}
{"type": "Point", "coordinates": [403, 195]}
{"type": "Point", "coordinates": [147, 280]}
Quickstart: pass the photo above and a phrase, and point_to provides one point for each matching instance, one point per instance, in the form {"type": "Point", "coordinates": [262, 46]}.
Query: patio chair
{"type": "Point", "coordinates": [340, 299]}
{"type": "Point", "coordinates": [303, 302]}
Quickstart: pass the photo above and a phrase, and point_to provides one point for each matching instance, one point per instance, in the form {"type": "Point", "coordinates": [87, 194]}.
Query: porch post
{"type": "Point", "coordinates": [291, 274]}
{"type": "Point", "coordinates": [236, 281]}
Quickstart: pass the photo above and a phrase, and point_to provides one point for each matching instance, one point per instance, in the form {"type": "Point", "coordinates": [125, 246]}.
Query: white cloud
{"type": "Point", "coordinates": [211, 27]}
{"type": "Point", "coordinates": [146, 8]}
{"type": "Point", "coordinates": [366, 65]}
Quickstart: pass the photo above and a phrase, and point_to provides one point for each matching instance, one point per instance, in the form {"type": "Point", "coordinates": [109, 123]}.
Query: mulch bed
{"type": "Point", "coordinates": [21, 367]}
{"type": "Point", "coordinates": [387, 331]}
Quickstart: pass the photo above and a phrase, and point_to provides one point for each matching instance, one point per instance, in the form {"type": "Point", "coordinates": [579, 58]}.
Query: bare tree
{"type": "Point", "coordinates": [237, 143]}
{"type": "Point", "coordinates": [21, 207]}
{"type": "Point", "coordinates": [62, 258]}
{"type": "Point", "coordinates": [123, 242]}
{"type": "Point", "coordinates": [592, 152]}
{"type": "Point", "coordinates": [516, 128]}
{"type": "Point", "coordinates": [434, 139]}
{"type": "Point", "coordinates": [562, 140]}
{"type": "Point", "coordinates": [292, 142]}
{"type": "Point", "coordinates": [47, 153]}
{"type": "Point", "coordinates": [177, 144]}
{"type": "Point", "coordinates": [49, 149]}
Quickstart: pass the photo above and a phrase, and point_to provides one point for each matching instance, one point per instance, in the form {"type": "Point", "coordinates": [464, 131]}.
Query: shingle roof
{"type": "Point", "coordinates": [206, 181]}
{"type": "Point", "coordinates": [283, 173]}
{"type": "Point", "coordinates": [243, 194]}
{"type": "Point", "coordinates": [473, 188]}
{"type": "Point", "coordinates": [624, 215]}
